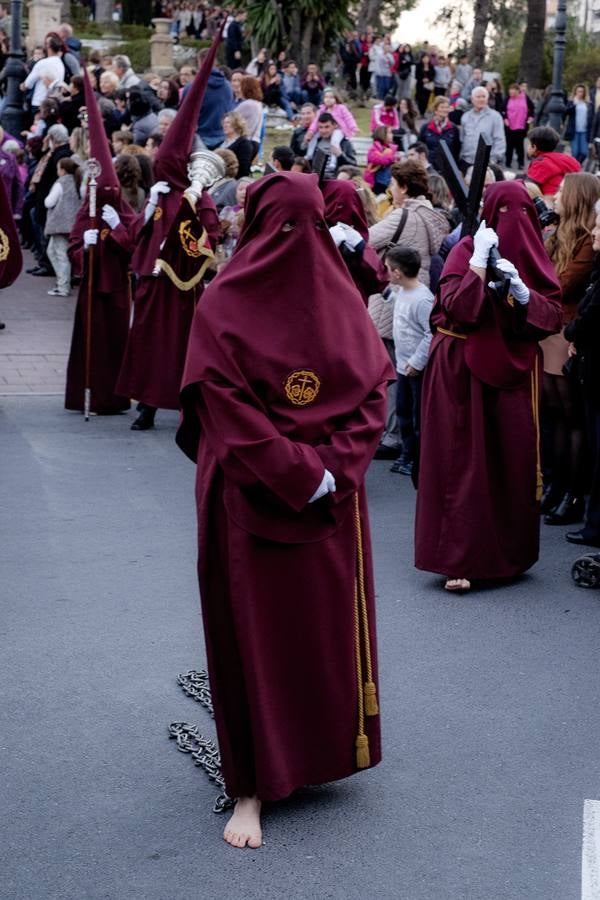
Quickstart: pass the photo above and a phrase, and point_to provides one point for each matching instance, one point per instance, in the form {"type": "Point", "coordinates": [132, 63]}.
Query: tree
{"type": "Point", "coordinates": [532, 52]}
{"type": "Point", "coordinates": [303, 28]}
{"type": "Point", "coordinates": [381, 13]}
{"type": "Point", "coordinates": [483, 14]}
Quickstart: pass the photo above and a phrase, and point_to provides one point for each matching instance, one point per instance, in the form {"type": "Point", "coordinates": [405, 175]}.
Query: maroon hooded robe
{"type": "Point", "coordinates": [285, 376]}
{"type": "Point", "coordinates": [165, 302]}
{"type": "Point", "coordinates": [342, 204]}
{"type": "Point", "coordinates": [479, 480]}
{"type": "Point", "coordinates": [111, 299]}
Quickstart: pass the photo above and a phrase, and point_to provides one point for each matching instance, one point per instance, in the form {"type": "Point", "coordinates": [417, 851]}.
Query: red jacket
{"type": "Point", "coordinates": [549, 169]}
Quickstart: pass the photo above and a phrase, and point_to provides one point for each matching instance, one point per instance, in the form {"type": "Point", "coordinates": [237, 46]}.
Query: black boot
{"type": "Point", "coordinates": [145, 420]}
{"type": "Point", "coordinates": [569, 510]}
{"type": "Point", "coordinates": [551, 498]}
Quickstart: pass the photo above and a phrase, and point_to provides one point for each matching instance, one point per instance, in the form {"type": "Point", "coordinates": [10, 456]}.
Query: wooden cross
{"type": "Point", "coordinates": [468, 200]}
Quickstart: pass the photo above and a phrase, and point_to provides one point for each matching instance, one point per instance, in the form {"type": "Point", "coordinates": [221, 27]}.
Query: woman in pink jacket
{"type": "Point", "coordinates": [332, 104]}
{"type": "Point", "coordinates": [380, 156]}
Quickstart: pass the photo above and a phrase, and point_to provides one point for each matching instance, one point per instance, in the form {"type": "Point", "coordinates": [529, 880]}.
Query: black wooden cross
{"type": "Point", "coordinates": [468, 200]}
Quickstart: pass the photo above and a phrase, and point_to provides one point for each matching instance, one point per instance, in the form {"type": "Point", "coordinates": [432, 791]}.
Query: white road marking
{"type": "Point", "coordinates": [590, 853]}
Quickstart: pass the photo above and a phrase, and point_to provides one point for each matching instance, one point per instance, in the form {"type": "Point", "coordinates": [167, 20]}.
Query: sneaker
{"type": "Point", "coordinates": [402, 467]}
{"type": "Point", "coordinates": [55, 292]}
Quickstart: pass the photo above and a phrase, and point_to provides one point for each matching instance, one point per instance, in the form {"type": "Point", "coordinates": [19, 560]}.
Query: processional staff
{"type": "Point", "coordinates": [94, 171]}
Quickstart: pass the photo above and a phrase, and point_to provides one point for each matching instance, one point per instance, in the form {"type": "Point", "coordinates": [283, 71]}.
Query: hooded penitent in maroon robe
{"type": "Point", "coordinates": [479, 479]}
{"type": "Point", "coordinates": [286, 376]}
{"type": "Point", "coordinates": [111, 291]}
{"type": "Point", "coordinates": [342, 204]}
{"type": "Point", "coordinates": [166, 294]}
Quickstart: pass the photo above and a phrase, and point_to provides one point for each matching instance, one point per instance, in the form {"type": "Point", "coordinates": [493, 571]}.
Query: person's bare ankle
{"type": "Point", "coordinates": [243, 828]}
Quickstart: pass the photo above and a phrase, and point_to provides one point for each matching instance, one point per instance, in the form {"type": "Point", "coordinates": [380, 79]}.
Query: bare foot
{"type": "Point", "coordinates": [243, 828]}
{"type": "Point", "coordinates": [458, 584]}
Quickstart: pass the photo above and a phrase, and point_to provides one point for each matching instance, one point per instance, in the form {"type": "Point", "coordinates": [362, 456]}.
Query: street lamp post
{"type": "Point", "coordinates": [556, 107]}
{"type": "Point", "coordinates": [13, 115]}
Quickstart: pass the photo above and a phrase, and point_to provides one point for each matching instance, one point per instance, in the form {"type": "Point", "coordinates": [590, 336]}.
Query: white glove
{"type": "Point", "coordinates": [90, 237]}
{"type": "Point", "coordinates": [344, 234]}
{"type": "Point", "coordinates": [161, 187]}
{"type": "Point", "coordinates": [518, 289]}
{"type": "Point", "coordinates": [194, 191]}
{"type": "Point", "coordinates": [110, 216]}
{"type": "Point", "coordinates": [485, 238]}
{"type": "Point", "coordinates": [327, 486]}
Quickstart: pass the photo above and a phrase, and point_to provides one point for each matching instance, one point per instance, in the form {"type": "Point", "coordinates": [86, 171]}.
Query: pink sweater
{"type": "Point", "coordinates": [342, 116]}
{"type": "Point", "coordinates": [378, 155]}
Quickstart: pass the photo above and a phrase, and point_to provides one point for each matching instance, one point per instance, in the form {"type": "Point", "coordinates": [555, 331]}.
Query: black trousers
{"type": "Point", "coordinates": [515, 141]}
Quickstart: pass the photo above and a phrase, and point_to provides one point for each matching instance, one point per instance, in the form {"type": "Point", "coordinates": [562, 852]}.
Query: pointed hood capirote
{"type": "Point", "coordinates": [171, 160]}
{"type": "Point", "coordinates": [107, 277]}
{"type": "Point", "coordinates": [98, 142]}
{"type": "Point", "coordinates": [171, 165]}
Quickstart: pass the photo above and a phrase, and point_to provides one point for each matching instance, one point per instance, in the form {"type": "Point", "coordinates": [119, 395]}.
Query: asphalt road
{"type": "Point", "coordinates": [490, 701]}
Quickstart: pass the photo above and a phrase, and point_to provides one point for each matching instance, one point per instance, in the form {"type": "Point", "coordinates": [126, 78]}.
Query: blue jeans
{"type": "Point", "coordinates": [383, 84]}
{"type": "Point", "coordinates": [408, 408]}
{"type": "Point", "coordinates": [579, 145]}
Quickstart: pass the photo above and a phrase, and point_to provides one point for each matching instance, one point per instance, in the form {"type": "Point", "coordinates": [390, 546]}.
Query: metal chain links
{"type": "Point", "coordinates": [203, 751]}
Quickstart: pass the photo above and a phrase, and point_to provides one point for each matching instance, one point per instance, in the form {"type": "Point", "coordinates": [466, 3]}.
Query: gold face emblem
{"type": "Point", "coordinates": [302, 387]}
{"type": "Point", "coordinates": [157, 214]}
{"type": "Point", "coordinates": [104, 234]}
{"type": "Point", "coordinates": [4, 245]}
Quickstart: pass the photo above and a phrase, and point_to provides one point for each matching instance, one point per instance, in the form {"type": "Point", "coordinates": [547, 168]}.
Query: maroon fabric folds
{"type": "Point", "coordinates": [479, 479]}
{"type": "Point", "coordinates": [170, 165]}
{"type": "Point", "coordinates": [163, 310]}
{"type": "Point", "coordinates": [285, 376]}
{"type": "Point", "coordinates": [11, 257]}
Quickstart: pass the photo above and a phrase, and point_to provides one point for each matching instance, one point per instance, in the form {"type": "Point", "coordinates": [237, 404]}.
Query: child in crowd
{"type": "Point", "coordinates": [332, 104]}
{"type": "Point", "coordinates": [413, 302]}
{"type": "Point", "coordinates": [62, 203]}
{"type": "Point", "coordinates": [385, 113]}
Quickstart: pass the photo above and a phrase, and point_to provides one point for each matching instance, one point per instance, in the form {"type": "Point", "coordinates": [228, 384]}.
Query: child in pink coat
{"type": "Point", "coordinates": [380, 156]}
{"type": "Point", "coordinates": [340, 112]}
{"type": "Point", "coordinates": [385, 113]}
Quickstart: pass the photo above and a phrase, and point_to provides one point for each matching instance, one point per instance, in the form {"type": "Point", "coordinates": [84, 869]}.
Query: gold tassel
{"type": "Point", "coordinates": [370, 691]}
{"type": "Point", "coordinates": [363, 758]}
{"type": "Point", "coordinates": [539, 481]}
{"type": "Point", "coordinates": [371, 705]}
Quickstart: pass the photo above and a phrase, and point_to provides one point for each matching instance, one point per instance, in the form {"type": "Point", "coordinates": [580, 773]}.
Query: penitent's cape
{"type": "Point", "coordinates": [170, 233]}
{"type": "Point", "coordinates": [11, 258]}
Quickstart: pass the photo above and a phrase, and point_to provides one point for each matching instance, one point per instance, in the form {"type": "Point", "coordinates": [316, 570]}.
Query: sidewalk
{"type": "Point", "coordinates": [34, 346]}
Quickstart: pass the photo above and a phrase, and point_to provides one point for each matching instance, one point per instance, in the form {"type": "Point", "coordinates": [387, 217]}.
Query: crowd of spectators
{"type": "Point", "coordinates": [416, 102]}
